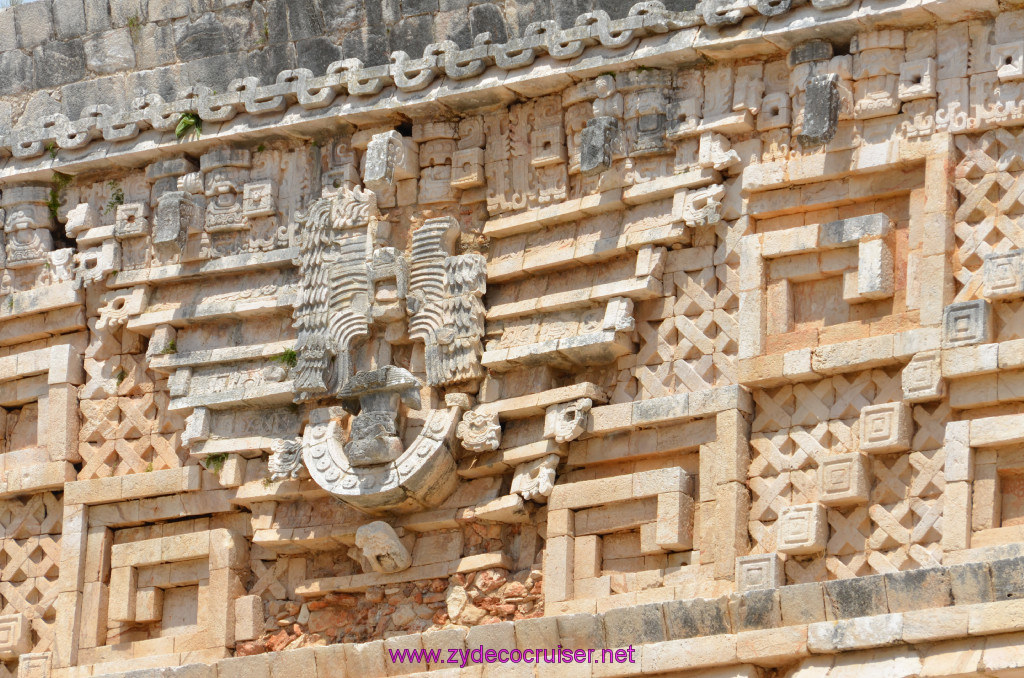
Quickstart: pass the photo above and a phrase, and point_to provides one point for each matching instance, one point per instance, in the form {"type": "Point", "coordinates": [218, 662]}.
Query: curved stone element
{"type": "Point", "coordinates": [422, 476]}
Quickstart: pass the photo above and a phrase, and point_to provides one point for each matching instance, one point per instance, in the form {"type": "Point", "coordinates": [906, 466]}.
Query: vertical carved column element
{"type": "Point", "coordinates": [814, 88]}
{"type": "Point", "coordinates": [27, 238]}
{"type": "Point", "coordinates": [176, 212]}
{"type": "Point", "coordinates": [436, 147]}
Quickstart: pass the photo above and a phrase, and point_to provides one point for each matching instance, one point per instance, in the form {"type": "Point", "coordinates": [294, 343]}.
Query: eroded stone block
{"type": "Point", "coordinates": [843, 480]}
{"type": "Point", "coordinates": [759, 572]}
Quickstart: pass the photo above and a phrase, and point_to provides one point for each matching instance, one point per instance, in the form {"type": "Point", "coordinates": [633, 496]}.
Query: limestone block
{"type": "Point", "coordinates": [123, 582]}
{"type": "Point", "coordinates": [149, 604]}
{"type": "Point", "coordinates": [802, 529]}
{"type": "Point", "coordinates": [674, 530]}
{"type": "Point", "coordinates": [558, 569]}
{"type": "Point", "coordinates": [759, 572]}
{"type": "Point", "coordinates": [843, 480]}
{"type": "Point", "coordinates": [966, 323]}
{"type": "Point", "coordinates": [886, 428]}
{"type": "Point", "coordinates": [587, 557]}
{"type": "Point", "coordinates": [875, 274]}
{"type": "Point", "coordinates": [922, 378]}
{"type": "Point", "coordinates": [15, 636]}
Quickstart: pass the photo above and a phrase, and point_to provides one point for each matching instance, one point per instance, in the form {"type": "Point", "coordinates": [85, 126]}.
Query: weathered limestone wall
{"type": "Point", "coordinates": [328, 330]}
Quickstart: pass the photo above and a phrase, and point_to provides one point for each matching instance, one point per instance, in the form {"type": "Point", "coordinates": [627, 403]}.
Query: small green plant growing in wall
{"type": "Point", "coordinates": [215, 462]}
{"type": "Point", "coordinates": [59, 183]}
{"type": "Point", "coordinates": [187, 122]}
{"type": "Point", "coordinates": [116, 196]}
{"type": "Point", "coordinates": [51, 148]}
{"type": "Point", "coordinates": [171, 347]}
{"type": "Point", "coordinates": [149, 467]}
{"type": "Point", "coordinates": [133, 27]}
{"type": "Point", "coordinates": [120, 377]}
{"type": "Point", "coordinates": [289, 358]}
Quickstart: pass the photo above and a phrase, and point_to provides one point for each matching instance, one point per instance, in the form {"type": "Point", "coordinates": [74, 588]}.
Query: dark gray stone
{"type": "Point", "coordinates": [266, 63]}
{"type": "Point", "coordinates": [802, 603]}
{"type": "Point", "coordinates": [596, 143]}
{"type": "Point", "coordinates": [215, 72]}
{"type": "Point", "coordinates": [97, 16]}
{"type": "Point", "coordinates": [367, 46]}
{"type": "Point", "coordinates": [616, 8]}
{"type": "Point", "coordinates": [58, 63]}
{"type": "Point", "coordinates": [414, 7]}
{"type": "Point", "coordinates": [203, 38]}
{"type": "Point", "coordinates": [821, 110]}
{"type": "Point", "coordinates": [1007, 578]}
{"type": "Point", "coordinates": [126, 13]}
{"type": "Point", "coordinates": [521, 14]}
{"type": "Point", "coordinates": [110, 90]}
{"type": "Point", "coordinates": [918, 589]}
{"type": "Point", "coordinates": [8, 32]}
{"type": "Point", "coordinates": [16, 72]}
{"type": "Point", "coordinates": [754, 610]}
{"type": "Point", "coordinates": [488, 19]}
{"type": "Point", "coordinates": [68, 18]}
{"type": "Point", "coordinates": [294, 20]}
{"type": "Point", "coordinates": [858, 597]}
{"type": "Point", "coordinates": [626, 626]}
{"type": "Point", "coordinates": [167, 81]}
{"type": "Point", "coordinates": [812, 50]}
{"type": "Point", "coordinates": [971, 583]}
{"type": "Point", "coordinates": [316, 54]}
{"type": "Point", "coordinates": [155, 46]}
{"type": "Point", "coordinates": [413, 34]}
{"type": "Point", "coordinates": [34, 22]}
{"type": "Point", "coordinates": [452, 5]}
{"type": "Point", "coordinates": [697, 617]}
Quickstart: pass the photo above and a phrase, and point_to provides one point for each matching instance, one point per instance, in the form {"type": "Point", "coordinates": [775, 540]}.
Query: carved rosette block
{"type": "Point", "coordinates": [479, 431]}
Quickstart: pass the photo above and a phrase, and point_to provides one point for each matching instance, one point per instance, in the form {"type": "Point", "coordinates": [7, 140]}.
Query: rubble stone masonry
{"type": "Point", "coordinates": [337, 329]}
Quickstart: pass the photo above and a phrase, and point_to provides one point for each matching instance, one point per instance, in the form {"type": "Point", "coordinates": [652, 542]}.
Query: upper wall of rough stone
{"type": "Point", "coordinates": [80, 52]}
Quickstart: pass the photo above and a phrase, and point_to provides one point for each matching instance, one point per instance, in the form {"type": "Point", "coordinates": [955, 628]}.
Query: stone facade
{"type": "Point", "coordinates": [330, 330]}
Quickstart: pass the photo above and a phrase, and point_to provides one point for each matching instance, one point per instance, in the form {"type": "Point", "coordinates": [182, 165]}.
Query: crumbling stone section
{"type": "Point", "coordinates": [328, 331]}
